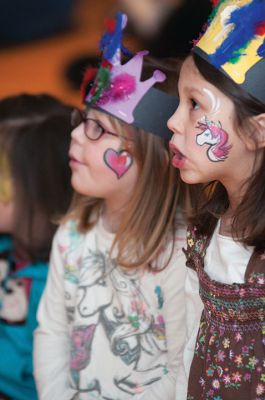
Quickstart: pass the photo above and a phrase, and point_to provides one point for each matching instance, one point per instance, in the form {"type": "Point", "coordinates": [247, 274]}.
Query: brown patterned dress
{"type": "Point", "coordinates": [229, 359]}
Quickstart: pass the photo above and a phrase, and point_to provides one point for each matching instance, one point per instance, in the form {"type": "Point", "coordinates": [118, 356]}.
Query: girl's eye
{"type": "Point", "coordinates": [194, 104]}
{"type": "Point", "coordinates": [99, 129]}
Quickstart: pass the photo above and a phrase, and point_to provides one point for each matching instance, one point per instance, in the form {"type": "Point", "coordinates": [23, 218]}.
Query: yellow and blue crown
{"type": "Point", "coordinates": [234, 43]}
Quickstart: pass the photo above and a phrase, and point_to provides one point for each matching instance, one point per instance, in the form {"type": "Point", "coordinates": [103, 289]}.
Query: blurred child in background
{"type": "Point", "coordinates": [34, 190]}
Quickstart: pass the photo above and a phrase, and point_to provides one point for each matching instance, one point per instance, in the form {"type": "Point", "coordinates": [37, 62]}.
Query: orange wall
{"type": "Point", "coordinates": [39, 66]}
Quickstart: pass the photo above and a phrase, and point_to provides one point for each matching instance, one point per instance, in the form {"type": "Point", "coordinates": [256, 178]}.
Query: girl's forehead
{"type": "Point", "coordinates": [100, 116]}
{"type": "Point", "coordinates": [190, 76]}
{"type": "Point", "coordinates": [192, 82]}
{"type": "Point", "coordinates": [94, 113]}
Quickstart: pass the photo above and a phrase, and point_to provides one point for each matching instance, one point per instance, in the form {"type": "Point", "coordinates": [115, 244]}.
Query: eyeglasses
{"type": "Point", "coordinates": [92, 128]}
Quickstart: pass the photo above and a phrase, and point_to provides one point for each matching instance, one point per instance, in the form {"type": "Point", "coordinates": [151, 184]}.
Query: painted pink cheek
{"type": "Point", "coordinates": [118, 161]}
{"type": "Point", "coordinates": [213, 135]}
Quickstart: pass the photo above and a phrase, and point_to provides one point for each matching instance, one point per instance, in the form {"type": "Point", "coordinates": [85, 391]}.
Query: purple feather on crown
{"type": "Point", "coordinates": [124, 88]}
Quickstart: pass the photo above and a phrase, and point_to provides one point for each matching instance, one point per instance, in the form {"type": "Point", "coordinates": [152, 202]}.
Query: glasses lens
{"type": "Point", "coordinates": [93, 129]}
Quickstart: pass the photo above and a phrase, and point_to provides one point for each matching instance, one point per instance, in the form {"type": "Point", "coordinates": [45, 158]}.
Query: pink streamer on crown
{"type": "Point", "coordinates": [125, 89]}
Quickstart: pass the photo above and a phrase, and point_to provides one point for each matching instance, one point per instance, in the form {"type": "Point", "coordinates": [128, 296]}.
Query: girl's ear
{"type": "Point", "coordinates": [260, 133]}
{"type": "Point", "coordinates": [256, 140]}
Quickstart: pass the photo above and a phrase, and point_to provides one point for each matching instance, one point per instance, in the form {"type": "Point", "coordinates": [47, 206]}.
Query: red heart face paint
{"type": "Point", "coordinates": [118, 161]}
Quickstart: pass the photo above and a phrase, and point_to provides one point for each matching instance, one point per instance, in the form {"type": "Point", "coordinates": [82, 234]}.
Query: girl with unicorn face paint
{"type": "Point", "coordinates": [219, 140]}
{"type": "Point", "coordinates": [107, 321]}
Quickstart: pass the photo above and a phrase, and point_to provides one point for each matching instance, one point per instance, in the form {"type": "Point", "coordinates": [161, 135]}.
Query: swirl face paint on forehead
{"type": "Point", "coordinates": [118, 161]}
{"type": "Point", "coordinates": [215, 101]}
{"type": "Point", "coordinates": [216, 137]}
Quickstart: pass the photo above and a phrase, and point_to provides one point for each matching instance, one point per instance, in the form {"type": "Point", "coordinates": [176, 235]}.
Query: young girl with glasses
{"type": "Point", "coordinates": [110, 325]}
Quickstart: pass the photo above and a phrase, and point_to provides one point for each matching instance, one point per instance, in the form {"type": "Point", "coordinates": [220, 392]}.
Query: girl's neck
{"type": "Point", "coordinates": [228, 217]}
{"type": "Point", "coordinates": [226, 224]}
{"type": "Point", "coordinates": [111, 217]}
{"type": "Point", "coordinates": [114, 208]}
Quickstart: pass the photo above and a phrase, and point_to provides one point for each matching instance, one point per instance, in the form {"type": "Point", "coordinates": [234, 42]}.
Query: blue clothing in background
{"type": "Point", "coordinates": [16, 340]}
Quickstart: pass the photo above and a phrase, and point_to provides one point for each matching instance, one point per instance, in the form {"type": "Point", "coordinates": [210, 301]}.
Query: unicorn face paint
{"type": "Point", "coordinates": [205, 143]}
{"type": "Point", "coordinates": [102, 168]}
{"type": "Point", "coordinates": [213, 135]}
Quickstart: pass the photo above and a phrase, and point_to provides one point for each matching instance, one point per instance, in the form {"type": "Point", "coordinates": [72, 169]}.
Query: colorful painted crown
{"type": "Point", "coordinates": [234, 43]}
{"type": "Point", "coordinates": [117, 88]}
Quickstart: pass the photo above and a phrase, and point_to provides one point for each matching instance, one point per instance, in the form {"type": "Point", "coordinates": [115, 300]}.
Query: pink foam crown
{"type": "Point", "coordinates": [121, 89]}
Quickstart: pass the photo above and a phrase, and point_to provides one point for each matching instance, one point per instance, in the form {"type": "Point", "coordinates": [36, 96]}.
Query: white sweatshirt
{"type": "Point", "coordinates": [106, 332]}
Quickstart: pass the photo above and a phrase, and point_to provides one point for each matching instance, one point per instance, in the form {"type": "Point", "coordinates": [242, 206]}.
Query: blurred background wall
{"type": "Point", "coordinates": [45, 44]}
{"type": "Point", "coordinates": [36, 62]}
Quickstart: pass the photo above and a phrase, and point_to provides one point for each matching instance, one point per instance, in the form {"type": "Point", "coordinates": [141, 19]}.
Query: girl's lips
{"type": "Point", "coordinates": [178, 159]}
{"type": "Point", "coordinates": [73, 161]}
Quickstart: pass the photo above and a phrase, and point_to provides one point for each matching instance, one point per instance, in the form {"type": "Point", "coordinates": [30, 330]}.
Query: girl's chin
{"type": "Point", "coordinates": [189, 178]}
{"type": "Point", "coordinates": [76, 185]}
{"type": "Point", "coordinates": [83, 190]}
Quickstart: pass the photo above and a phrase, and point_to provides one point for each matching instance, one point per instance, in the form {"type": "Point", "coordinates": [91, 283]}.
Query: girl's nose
{"type": "Point", "coordinates": [77, 133]}
{"type": "Point", "coordinates": [174, 122]}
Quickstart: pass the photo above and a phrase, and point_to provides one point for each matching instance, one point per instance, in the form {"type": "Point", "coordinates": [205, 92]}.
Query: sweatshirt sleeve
{"type": "Point", "coordinates": [51, 338]}
{"type": "Point", "coordinates": [173, 283]}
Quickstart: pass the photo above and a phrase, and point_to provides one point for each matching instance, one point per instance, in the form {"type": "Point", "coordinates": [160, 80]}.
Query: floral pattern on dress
{"type": "Point", "coordinates": [229, 357]}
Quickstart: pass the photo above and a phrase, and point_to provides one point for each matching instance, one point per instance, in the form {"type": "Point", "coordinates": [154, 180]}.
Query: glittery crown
{"type": "Point", "coordinates": [117, 88]}
{"type": "Point", "coordinates": [234, 43]}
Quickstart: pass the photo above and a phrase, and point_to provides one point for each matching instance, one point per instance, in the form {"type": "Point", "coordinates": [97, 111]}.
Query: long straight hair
{"type": "Point", "coordinates": [249, 219]}
{"type": "Point", "coordinates": [149, 218]}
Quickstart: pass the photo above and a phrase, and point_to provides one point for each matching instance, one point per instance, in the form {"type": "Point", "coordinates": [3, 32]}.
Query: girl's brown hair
{"type": "Point", "coordinates": [249, 219]}
{"type": "Point", "coordinates": [35, 138]}
{"type": "Point", "coordinates": [149, 218]}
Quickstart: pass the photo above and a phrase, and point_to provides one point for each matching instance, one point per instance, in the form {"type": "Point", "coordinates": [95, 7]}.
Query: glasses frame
{"type": "Point", "coordinates": [79, 116]}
